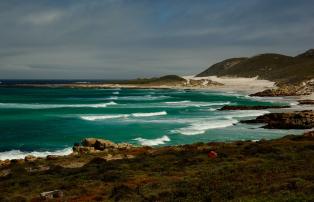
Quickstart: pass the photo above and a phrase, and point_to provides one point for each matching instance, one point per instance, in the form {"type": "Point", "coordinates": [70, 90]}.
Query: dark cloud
{"type": "Point", "coordinates": [105, 39]}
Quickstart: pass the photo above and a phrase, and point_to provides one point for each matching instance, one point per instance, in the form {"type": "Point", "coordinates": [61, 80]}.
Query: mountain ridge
{"type": "Point", "coordinates": [271, 66]}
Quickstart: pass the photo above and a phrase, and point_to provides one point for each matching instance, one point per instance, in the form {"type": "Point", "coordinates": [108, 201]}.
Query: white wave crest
{"type": "Point", "coordinates": [17, 154]}
{"type": "Point", "coordinates": [140, 98]}
{"type": "Point", "coordinates": [149, 114]}
{"type": "Point", "coordinates": [48, 106]}
{"type": "Point", "coordinates": [202, 126]}
{"type": "Point", "coordinates": [246, 113]}
{"type": "Point", "coordinates": [187, 103]}
{"type": "Point", "coordinates": [102, 117]}
{"type": "Point", "coordinates": [179, 102]}
{"type": "Point", "coordinates": [116, 93]}
{"type": "Point", "coordinates": [153, 142]}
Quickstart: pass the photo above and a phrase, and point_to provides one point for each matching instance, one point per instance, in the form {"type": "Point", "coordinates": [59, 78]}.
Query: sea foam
{"type": "Point", "coordinates": [17, 154]}
{"type": "Point", "coordinates": [102, 117]}
{"type": "Point", "coordinates": [48, 106]}
{"type": "Point", "coordinates": [201, 127]}
{"type": "Point", "coordinates": [153, 142]}
{"type": "Point", "coordinates": [149, 114]}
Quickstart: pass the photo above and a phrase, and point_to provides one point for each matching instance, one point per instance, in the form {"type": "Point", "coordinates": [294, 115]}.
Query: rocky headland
{"type": "Point", "coordinates": [288, 120]}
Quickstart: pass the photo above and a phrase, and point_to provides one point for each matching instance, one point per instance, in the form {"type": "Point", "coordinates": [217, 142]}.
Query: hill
{"type": "Point", "coordinates": [275, 67]}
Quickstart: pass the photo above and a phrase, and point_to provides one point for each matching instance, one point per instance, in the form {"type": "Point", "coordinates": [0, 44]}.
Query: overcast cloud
{"type": "Point", "coordinates": [120, 39]}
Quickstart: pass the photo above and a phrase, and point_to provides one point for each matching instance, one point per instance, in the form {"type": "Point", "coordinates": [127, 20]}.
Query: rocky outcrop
{"type": "Point", "coordinates": [227, 107]}
{"type": "Point", "coordinates": [306, 102]}
{"type": "Point", "coordinates": [309, 134]}
{"type": "Point", "coordinates": [291, 120]}
{"type": "Point", "coordinates": [305, 88]}
{"type": "Point", "coordinates": [92, 145]}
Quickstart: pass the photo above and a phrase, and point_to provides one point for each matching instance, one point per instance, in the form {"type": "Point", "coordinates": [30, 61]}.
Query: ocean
{"type": "Point", "coordinates": [42, 121]}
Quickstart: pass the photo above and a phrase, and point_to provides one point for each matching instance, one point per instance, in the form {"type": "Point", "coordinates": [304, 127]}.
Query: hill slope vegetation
{"type": "Point", "coordinates": [275, 67]}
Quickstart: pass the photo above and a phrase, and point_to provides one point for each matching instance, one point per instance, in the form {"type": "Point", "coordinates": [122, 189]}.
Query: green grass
{"type": "Point", "coordinates": [277, 170]}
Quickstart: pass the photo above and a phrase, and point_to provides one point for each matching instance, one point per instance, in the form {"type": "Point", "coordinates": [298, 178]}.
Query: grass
{"type": "Point", "coordinates": [277, 170]}
{"type": "Point", "coordinates": [280, 68]}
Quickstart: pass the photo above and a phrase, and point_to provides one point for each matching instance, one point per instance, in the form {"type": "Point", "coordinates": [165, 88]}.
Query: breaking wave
{"type": "Point", "coordinates": [153, 142]}
{"type": "Point", "coordinates": [187, 103]}
{"type": "Point", "coordinates": [17, 154]}
{"type": "Point", "coordinates": [201, 127]}
{"type": "Point", "coordinates": [48, 106]}
{"type": "Point", "coordinates": [149, 114]}
{"type": "Point", "coordinates": [103, 117]}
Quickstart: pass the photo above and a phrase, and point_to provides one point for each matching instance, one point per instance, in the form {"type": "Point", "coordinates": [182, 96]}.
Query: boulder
{"type": "Point", "coordinates": [51, 194]}
{"type": "Point", "coordinates": [82, 149]}
{"type": "Point", "coordinates": [52, 157]}
{"type": "Point", "coordinates": [30, 158]}
{"type": "Point", "coordinates": [309, 134]}
{"type": "Point", "coordinates": [89, 142]}
{"type": "Point", "coordinates": [5, 163]}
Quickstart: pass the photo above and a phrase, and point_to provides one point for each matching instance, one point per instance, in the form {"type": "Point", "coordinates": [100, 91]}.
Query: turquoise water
{"type": "Point", "coordinates": [52, 119]}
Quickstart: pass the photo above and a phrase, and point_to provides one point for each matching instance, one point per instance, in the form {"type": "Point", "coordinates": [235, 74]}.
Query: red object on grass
{"type": "Point", "coordinates": [212, 154]}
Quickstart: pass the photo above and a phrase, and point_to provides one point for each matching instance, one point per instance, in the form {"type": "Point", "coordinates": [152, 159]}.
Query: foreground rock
{"type": "Point", "coordinates": [226, 108]}
{"type": "Point", "coordinates": [291, 120]}
{"type": "Point", "coordinates": [92, 145]}
{"type": "Point", "coordinates": [51, 195]}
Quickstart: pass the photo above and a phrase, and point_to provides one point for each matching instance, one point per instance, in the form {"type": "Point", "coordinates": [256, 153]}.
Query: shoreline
{"type": "Point", "coordinates": [292, 100]}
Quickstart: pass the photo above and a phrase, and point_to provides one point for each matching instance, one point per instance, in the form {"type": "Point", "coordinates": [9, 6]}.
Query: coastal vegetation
{"type": "Point", "coordinates": [275, 170]}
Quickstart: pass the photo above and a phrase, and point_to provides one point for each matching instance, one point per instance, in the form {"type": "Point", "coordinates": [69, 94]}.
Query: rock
{"type": "Point", "coordinates": [291, 120]}
{"type": "Point", "coordinates": [51, 194]}
{"type": "Point", "coordinates": [309, 134]}
{"type": "Point", "coordinates": [30, 158]}
{"type": "Point", "coordinates": [91, 145]}
{"type": "Point", "coordinates": [17, 161]}
{"type": "Point", "coordinates": [82, 149]}
{"type": "Point", "coordinates": [306, 102]}
{"type": "Point", "coordinates": [225, 108]}
{"type": "Point", "coordinates": [104, 144]}
{"type": "Point", "coordinates": [89, 142]}
{"type": "Point", "coordinates": [52, 157]}
{"type": "Point", "coordinates": [5, 163]}
{"type": "Point", "coordinates": [305, 88]}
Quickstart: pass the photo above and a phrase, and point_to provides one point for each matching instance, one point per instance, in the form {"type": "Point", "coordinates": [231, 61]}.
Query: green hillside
{"type": "Point", "coordinates": [275, 67]}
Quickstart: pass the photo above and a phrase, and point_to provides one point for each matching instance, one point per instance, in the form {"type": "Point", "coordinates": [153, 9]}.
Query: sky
{"type": "Point", "coordinates": [126, 39]}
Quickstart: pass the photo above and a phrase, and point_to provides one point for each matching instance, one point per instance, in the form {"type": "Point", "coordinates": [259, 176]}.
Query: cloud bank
{"type": "Point", "coordinates": [121, 39]}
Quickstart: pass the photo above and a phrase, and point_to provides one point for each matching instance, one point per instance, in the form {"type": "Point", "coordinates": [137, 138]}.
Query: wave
{"type": "Point", "coordinates": [116, 93]}
{"type": "Point", "coordinates": [179, 102]}
{"type": "Point", "coordinates": [202, 126]}
{"type": "Point", "coordinates": [187, 103]}
{"type": "Point", "coordinates": [246, 113]}
{"type": "Point", "coordinates": [102, 117]}
{"type": "Point", "coordinates": [140, 98]}
{"type": "Point", "coordinates": [153, 142]}
{"type": "Point", "coordinates": [17, 154]}
{"type": "Point", "coordinates": [149, 114]}
{"type": "Point", "coordinates": [48, 106]}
